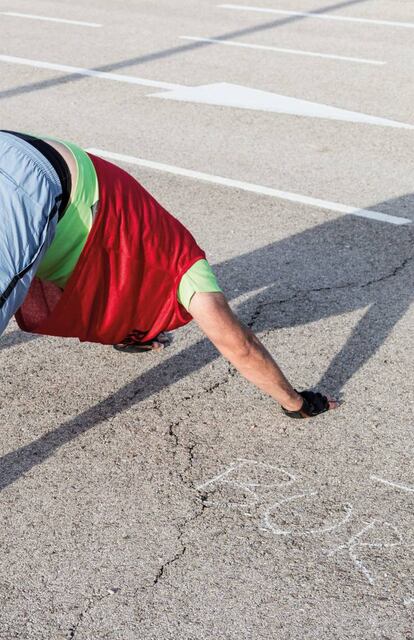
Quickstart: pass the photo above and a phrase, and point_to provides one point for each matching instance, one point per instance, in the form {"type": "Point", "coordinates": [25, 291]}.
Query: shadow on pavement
{"type": "Point", "coordinates": [334, 268]}
{"type": "Point", "coordinates": [171, 51]}
{"type": "Point", "coordinates": [15, 338]}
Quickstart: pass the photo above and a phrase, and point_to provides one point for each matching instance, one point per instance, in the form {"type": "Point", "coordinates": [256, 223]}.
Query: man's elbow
{"type": "Point", "coordinates": [239, 347]}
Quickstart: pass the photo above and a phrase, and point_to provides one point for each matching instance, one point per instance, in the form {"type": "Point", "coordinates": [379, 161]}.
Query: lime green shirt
{"type": "Point", "coordinates": [73, 229]}
{"type": "Point", "coordinates": [200, 278]}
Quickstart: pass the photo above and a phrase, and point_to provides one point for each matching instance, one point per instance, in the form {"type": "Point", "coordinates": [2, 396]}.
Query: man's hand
{"type": "Point", "coordinates": [312, 405]}
{"type": "Point", "coordinates": [242, 348]}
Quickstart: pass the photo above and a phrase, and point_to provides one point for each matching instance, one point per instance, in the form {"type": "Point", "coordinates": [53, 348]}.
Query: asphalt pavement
{"type": "Point", "coordinates": [159, 496]}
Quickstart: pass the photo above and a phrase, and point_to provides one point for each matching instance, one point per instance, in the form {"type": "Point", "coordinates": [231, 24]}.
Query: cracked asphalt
{"type": "Point", "coordinates": [160, 496]}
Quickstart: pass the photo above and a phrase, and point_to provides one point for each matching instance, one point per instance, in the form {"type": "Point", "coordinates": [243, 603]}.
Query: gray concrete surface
{"type": "Point", "coordinates": [160, 496]}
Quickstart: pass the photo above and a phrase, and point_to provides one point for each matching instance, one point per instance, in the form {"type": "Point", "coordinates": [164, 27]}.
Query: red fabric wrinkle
{"type": "Point", "coordinates": [127, 276]}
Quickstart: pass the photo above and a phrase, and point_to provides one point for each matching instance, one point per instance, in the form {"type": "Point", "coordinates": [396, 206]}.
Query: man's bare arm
{"type": "Point", "coordinates": [242, 348]}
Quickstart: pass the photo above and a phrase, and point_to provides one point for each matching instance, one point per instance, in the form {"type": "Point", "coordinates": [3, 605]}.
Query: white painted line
{"type": "Point", "coordinates": [241, 97]}
{"type": "Point", "coordinates": [321, 16]}
{"type": "Point", "coordinates": [252, 188]}
{"type": "Point", "coordinates": [395, 485]}
{"type": "Point", "coordinates": [299, 52]}
{"type": "Point", "coordinates": [89, 72]}
{"type": "Point", "coordinates": [35, 17]}
{"type": "Point", "coordinates": [223, 94]}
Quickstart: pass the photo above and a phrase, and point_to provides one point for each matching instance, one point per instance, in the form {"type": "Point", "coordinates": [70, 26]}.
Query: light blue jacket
{"type": "Point", "coordinates": [29, 196]}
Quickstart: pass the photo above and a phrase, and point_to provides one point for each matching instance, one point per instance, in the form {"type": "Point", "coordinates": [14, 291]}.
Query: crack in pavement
{"type": "Point", "coordinates": [298, 294]}
{"type": "Point", "coordinates": [161, 570]}
{"type": "Point", "coordinates": [202, 499]}
{"type": "Point", "coordinates": [172, 433]}
{"type": "Point", "coordinates": [349, 285]}
{"type": "Point", "coordinates": [189, 448]}
{"type": "Point", "coordinates": [181, 532]}
{"type": "Point", "coordinates": [231, 372]}
{"type": "Point", "coordinates": [92, 602]}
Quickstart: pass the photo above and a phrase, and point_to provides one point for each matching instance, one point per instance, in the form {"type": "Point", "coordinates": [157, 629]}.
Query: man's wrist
{"type": "Point", "coordinates": [295, 402]}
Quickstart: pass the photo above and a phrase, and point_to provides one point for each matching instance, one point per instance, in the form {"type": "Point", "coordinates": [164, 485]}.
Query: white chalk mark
{"type": "Point", "coordinates": [231, 480]}
{"type": "Point", "coordinates": [354, 542]}
{"type": "Point", "coordinates": [218, 478]}
{"type": "Point", "coordinates": [290, 477]}
{"type": "Point", "coordinates": [319, 16]}
{"type": "Point", "coordinates": [253, 188]}
{"type": "Point", "coordinates": [251, 498]}
{"type": "Point", "coordinates": [396, 485]}
{"type": "Point", "coordinates": [81, 71]}
{"type": "Point", "coordinates": [311, 532]}
{"type": "Point", "coordinates": [248, 487]}
{"type": "Point", "coordinates": [408, 601]}
{"type": "Point", "coordinates": [240, 485]}
{"type": "Point", "coordinates": [360, 565]}
{"type": "Point", "coordinates": [238, 96]}
{"type": "Point", "coordinates": [48, 19]}
{"type": "Point", "coordinates": [333, 527]}
{"type": "Point", "coordinates": [299, 52]}
{"type": "Point", "coordinates": [266, 516]}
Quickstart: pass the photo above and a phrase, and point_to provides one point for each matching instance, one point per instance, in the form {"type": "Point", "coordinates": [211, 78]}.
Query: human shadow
{"type": "Point", "coordinates": [338, 267]}
{"type": "Point", "coordinates": [14, 338]}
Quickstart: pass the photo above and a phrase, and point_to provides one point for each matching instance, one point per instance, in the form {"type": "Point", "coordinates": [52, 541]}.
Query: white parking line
{"type": "Point", "coordinates": [224, 94]}
{"type": "Point", "coordinates": [81, 71]}
{"type": "Point", "coordinates": [252, 188]}
{"type": "Point", "coordinates": [321, 16]}
{"type": "Point", "coordinates": [47, 18]}
{"type": "Point", "coordinates": [299, 52]}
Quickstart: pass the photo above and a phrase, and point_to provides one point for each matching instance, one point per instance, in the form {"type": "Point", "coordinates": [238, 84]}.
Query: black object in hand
{"type": "Point", "coordinates": [313, 405]}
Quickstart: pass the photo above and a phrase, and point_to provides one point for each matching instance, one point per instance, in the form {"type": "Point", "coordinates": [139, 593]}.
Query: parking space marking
{"type": "Point", "coordinates": [299, 52]}
{"type": "Point", "coordinates": [252, 188]}
{"type": "Point", "coordinates": [81, 71]}
{"type": "Point", "coordinates": [49, 19]}
{"type": "Point", "coordinates": [385, 23]}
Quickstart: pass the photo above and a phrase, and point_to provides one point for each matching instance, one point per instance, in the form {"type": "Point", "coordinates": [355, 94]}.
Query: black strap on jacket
{"type": "Point", "coordinates": [62, 170]}
{"type": "Point", "coordinates": [56, 160]}
{"type": "Point", "coordinates": [8, 290]}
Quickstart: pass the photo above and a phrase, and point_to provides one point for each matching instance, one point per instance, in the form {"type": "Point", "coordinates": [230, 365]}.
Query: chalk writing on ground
{"type": "Point", "coordinates": [243, 481]}
{"type": "Point", "coordinates": [355, 544]}
{"type": "Point", "coordinates": [319, 510]}
{"type": "Point", "coordinates": [305, 513]}
{"type": "Point", "coordinates": [395, 485]}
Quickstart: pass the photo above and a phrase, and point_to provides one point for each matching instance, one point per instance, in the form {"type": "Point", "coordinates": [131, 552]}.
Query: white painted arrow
{"type": "Point", "coordinates": [221, 94]}
{"type": "Point", "coordinates": [233, 95]}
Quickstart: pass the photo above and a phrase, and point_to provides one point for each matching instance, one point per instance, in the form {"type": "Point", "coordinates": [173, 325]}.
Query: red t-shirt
{"type": "Point", "coordinates": [127, 276]}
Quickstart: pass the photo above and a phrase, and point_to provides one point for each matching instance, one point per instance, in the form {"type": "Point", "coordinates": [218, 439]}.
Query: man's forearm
{"type": "Point", "coordinates": [256, 364]}
{"type": "Point", "coordinates": [242, 348]}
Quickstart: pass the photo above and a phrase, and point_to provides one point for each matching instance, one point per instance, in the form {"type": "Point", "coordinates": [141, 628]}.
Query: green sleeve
{"type": "Point", "coordinates": [198, 279]}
